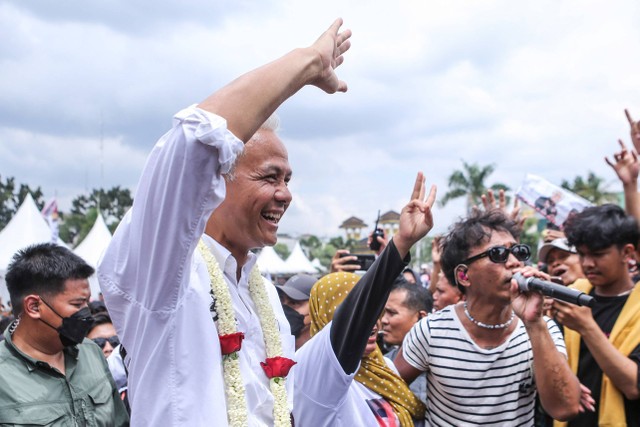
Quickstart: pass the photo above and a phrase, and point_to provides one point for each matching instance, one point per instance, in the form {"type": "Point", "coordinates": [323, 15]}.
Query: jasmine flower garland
{"type": "Point", "coordinates": [234, 387]}
{"type": "Point", "coordinates": [272, 343]}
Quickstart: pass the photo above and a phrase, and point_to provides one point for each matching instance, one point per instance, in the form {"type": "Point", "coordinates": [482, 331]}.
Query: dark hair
{"type": "Point", "coordinates": [416, 297]}
{"type": "Point", "coordinates": [101, 318]}
{"type": "Point", "coordinates": [416, 277]}
{"type": "Point", "coordinates": [97, 307]}
{"type": "Point", "coordinates": [469, 233]}
{"type": "Point", "coordinates": [42, 269]}
{"type": "Point", "coordinates": [599, 227]}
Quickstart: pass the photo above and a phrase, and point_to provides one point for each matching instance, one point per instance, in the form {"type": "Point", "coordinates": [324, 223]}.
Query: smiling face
{"type": "Point", "coordinates": [256, 198]}
{"type": "Point", "coordinates": [565, 265]}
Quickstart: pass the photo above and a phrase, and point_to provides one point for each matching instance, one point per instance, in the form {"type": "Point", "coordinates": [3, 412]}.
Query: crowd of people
{"type": "Point", "coordinates": [189, 332]}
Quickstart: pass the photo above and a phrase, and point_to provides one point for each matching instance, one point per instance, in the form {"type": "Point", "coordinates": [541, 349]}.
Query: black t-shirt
{"type": "Point", "coordinates": [605, 312]}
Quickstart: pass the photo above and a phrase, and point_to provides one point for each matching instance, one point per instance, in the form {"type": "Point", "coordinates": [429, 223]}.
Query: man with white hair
{"type": "Point", "coordinates": [178, 277]}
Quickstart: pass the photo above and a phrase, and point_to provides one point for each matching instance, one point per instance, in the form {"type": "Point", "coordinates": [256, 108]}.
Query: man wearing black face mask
{"type": "Point", "coordinates": [51, 375]}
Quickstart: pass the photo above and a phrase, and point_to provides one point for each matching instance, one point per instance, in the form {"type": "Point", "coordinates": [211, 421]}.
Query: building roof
{"type": "Point", "coordinates": [353, 222]}
{"type": "Point", "coordinates": [391, 216]}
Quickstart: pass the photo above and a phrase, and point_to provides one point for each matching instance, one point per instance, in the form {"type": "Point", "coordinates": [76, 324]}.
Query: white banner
{"type": "Point", "coordinates": [551, 201]}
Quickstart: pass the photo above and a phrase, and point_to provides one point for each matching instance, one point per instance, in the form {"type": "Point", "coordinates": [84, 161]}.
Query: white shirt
{"type": "Point", "coordinates": [324, 395]}
{"type": "Point", "coordinates": [157, 287]}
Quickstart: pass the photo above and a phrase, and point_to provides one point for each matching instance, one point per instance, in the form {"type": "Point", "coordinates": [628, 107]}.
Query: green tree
{"type": "Point", "coordinates": [113, 204]}
{"type": "Point", "coordinates": [531, 236]}
{"type": "Point", "coordinates": [592, 188]}
{"type": "Point", "coordinates": [12, 196]}
{"type": "Point", "coordinates": [470, 183]}
{"type": "Point", "coordinates": [282, 250]}
{"type": "Point", "coordinates": [310, 243]}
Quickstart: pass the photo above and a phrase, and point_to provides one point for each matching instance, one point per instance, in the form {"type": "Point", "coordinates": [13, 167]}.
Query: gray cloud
{"type": "Point", "coordinates": [537, 87]}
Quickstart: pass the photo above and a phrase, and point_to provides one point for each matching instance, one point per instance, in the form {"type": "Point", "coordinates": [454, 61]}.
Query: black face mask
{"type": "Point", "coordinates": [74, 328]}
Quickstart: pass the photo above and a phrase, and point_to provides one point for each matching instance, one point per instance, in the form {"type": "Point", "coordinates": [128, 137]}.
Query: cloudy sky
{"type": "Point", "coordinates": [532, 87]}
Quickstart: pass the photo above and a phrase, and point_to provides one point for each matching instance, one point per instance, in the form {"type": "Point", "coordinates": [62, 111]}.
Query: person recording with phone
{"type": "Point", "coordinates": [487, 357]}
{"type": "Point", "coordinates": [343, 260]}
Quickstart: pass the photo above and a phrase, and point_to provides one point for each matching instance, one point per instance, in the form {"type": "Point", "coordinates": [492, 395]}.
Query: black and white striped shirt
{"type": "Point", "coordinates": [468, 385]}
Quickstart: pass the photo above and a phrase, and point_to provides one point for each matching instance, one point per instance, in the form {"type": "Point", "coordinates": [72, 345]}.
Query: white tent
{"type": "Point", "coordinates": [91, 249]}
{"type": "Point", "coordinates": [27, 227]}
{"type": "Point", "coordinates": [318, 265]}
{"type": "Point", "coordinates": [298, 262]}
{"type": "Point", "coordinates": [269, 262]}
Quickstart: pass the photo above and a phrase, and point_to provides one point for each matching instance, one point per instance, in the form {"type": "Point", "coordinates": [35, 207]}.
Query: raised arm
{"type": "Point", "coordinates": [250, 99]}
{"type": "Point", "coordinates": [356, 316]}
{"type": "Point", "coordinates": [558, 387]}
{"type": "Point", "coordinates": [626, 166]}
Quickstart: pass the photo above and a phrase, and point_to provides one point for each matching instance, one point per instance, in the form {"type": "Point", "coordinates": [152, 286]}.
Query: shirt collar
{"type": "Point", "coordinates": [30, 363]}
{"type": "Point", "coordinates": [226, 260]}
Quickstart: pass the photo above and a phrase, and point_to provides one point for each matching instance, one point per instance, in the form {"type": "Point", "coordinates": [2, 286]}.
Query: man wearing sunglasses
{"type": "Point", "coordinates": [487, 357]}
{"type": "Point", "coordinates": [103, 333]}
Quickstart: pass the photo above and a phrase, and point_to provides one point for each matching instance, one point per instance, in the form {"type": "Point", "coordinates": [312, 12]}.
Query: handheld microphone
{"type": "Point", "coordinates": [553, 290]}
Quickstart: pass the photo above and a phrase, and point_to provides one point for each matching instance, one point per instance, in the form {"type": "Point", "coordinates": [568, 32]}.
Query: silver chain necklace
{"type": "Point", "coordinates": [484, 325]}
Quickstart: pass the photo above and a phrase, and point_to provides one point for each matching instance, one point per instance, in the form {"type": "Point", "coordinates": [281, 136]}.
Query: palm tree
{"type": "Point", "coordinates": [591, 189]}
{"type": "Point", "coordinates": [470, 182]}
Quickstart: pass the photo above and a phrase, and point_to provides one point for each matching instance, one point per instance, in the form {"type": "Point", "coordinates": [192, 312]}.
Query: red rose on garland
{"type": "Point", "coordinates": [231, 343]}
{"type": "Point", "coordinates": [278, 366]}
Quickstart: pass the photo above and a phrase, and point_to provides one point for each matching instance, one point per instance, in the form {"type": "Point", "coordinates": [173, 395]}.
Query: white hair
{"type": "Point", "coordinates": [272, 124]}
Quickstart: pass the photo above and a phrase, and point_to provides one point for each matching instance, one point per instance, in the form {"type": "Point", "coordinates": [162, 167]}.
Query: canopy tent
{"type": "Point", "coordinates": [27, 227]}
{"type": "Point", "coordinates": [298, 262]}
{"type": "Point", "coordinates": [269, 262]}
{"type": "Point", "coordinates": [318, 265]}
{"type": "Point", "coordinates": [91, 249]}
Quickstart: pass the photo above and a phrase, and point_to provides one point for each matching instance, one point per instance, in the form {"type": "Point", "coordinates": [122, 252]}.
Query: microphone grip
{"type": "Point", "coordinates": [559, 292]}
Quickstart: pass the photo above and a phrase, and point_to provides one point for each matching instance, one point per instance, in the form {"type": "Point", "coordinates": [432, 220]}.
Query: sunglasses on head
{"type": "Point", "coordinates": [500, 254]}
{"type": "Point", "coordinates": [114, 341]}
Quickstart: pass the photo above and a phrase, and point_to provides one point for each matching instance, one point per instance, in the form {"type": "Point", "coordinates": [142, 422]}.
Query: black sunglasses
{"type": "Point", "coordinates": [500, 254]}
{"type": "Point", "coordinates": [114, 341]}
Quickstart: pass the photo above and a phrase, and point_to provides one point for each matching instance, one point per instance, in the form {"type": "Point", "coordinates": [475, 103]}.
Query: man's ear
{"type": "Point", "coordinates": [460, 274]}
{"type": "Point", "coordinates": [421, 314]}
{"type": "Point", "coordinates": [31, 306]}
{"type": "Point", "coordinates": [629, 252]}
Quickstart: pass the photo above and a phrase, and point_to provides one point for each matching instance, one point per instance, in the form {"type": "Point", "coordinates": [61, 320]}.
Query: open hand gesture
{"type": "Point", "coordinates": [489, 203]}
{"type": "Point", "coordinates": [331, 45]}
{"type": "Point", "coordinates": [416, 218]}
